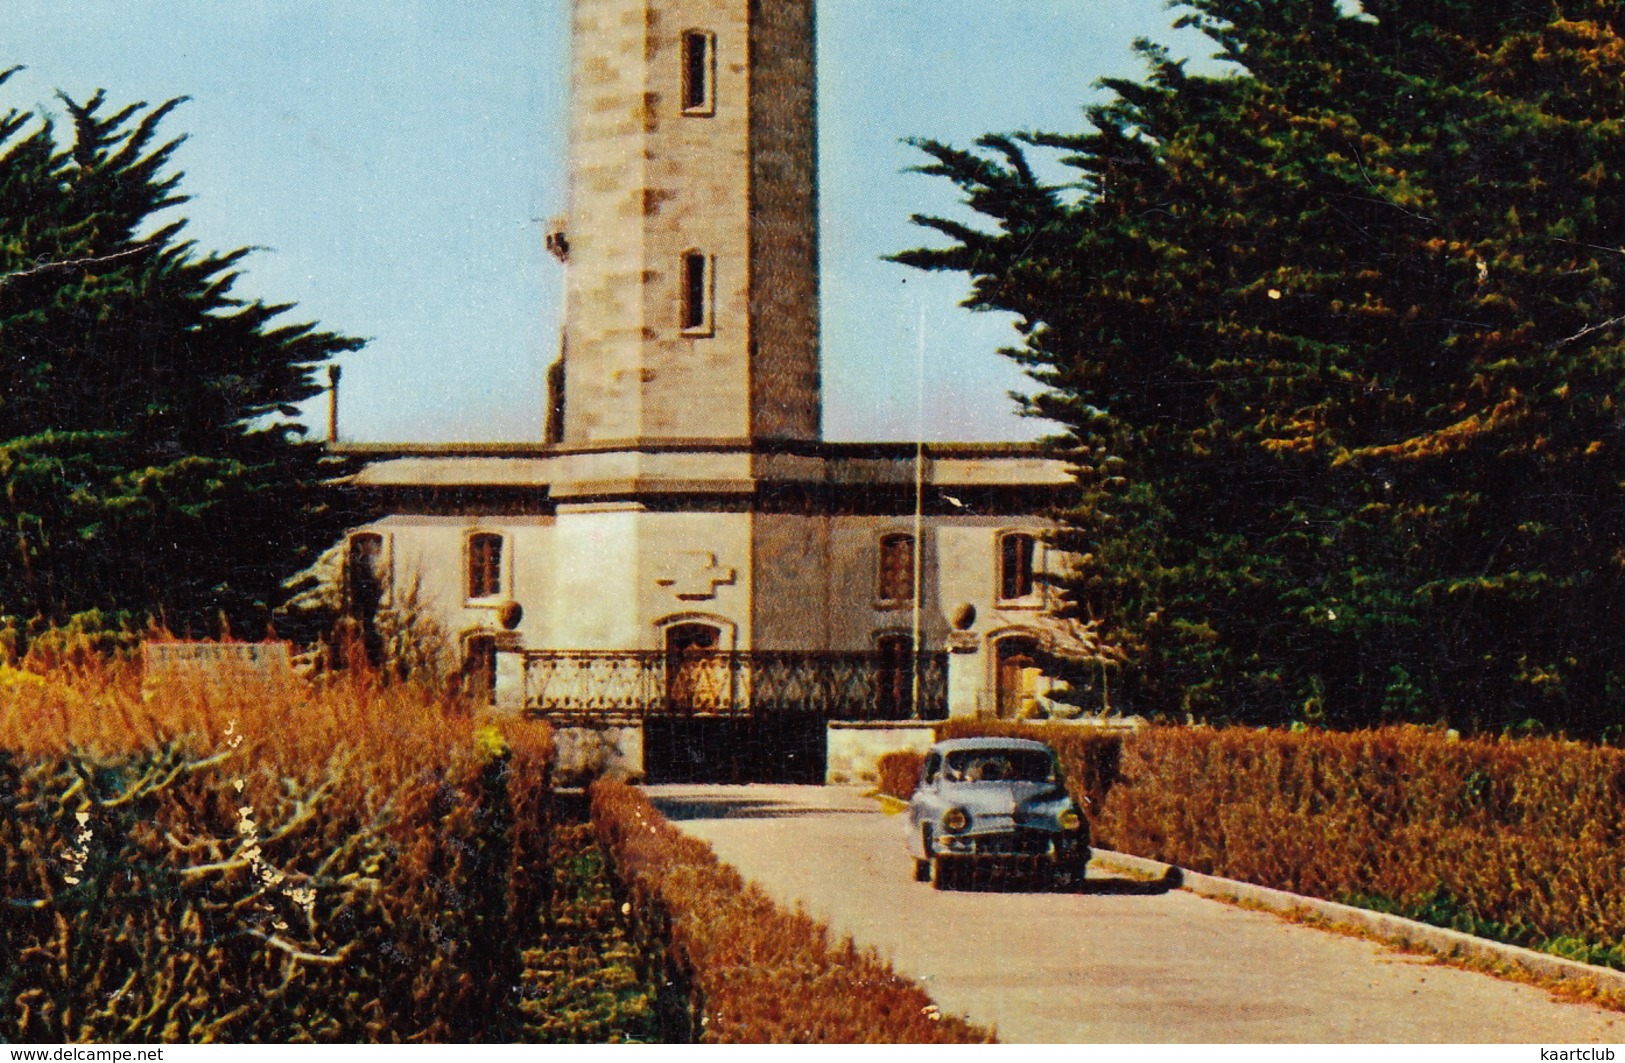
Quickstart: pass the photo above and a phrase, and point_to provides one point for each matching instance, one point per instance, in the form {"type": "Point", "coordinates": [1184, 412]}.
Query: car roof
{"type": "Point", "coordinates": [954, 745]}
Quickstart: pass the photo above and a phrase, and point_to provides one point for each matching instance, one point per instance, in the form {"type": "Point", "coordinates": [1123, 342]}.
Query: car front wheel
{"type": "Point", "coordinates": [923, 864]}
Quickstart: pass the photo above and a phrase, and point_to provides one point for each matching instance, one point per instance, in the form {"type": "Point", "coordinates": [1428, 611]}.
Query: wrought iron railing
{"type": "Point", "coordinates": [837, 686]}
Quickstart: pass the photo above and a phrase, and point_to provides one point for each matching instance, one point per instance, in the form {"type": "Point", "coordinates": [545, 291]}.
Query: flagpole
{"type": "Point", "coordinates": [919, 510]}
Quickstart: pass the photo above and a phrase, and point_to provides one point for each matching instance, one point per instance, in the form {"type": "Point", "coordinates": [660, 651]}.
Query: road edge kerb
{"type": "Point", "coordinates": [1393, 929]}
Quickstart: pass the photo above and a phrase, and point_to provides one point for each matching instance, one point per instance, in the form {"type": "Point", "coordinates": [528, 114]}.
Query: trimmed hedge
{"type": "Point", "coordinates": [1521, 840]}
{"type": "Point", "coordinates": [898, 773]}
{"type": "Point", "coordinates": [758, 973]}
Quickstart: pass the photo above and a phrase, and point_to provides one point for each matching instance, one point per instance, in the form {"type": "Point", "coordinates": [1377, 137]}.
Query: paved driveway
{"type": "Point", "coordinates": [1119, 962]}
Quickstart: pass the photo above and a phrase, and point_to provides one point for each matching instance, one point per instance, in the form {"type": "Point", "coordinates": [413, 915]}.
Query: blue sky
{"type": "Point", "coordinates": [395, 159]}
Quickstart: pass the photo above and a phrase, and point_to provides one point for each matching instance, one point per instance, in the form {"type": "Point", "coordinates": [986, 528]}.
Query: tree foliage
{"type": "Point", "coordinates": [147, 454]}
{"type": "Point", "coordinates": [1334, 338]}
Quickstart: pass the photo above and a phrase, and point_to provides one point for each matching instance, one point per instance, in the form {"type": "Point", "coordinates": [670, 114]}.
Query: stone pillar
{"type": "Point", "coordinates": [510, 692]}
{"type": "Point", "coordinates": [964, 674]}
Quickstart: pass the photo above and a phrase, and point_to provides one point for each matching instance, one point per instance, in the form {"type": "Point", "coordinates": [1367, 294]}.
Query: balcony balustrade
{"type": "Point", "coordinates": [836, 686]}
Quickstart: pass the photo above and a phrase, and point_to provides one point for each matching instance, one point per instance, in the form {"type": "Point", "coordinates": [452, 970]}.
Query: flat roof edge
{"type": "Point", "coordinates": [808, 448]}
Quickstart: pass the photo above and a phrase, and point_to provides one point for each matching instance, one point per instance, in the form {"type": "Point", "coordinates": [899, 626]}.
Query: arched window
{"type": "Point", "coordinates": [1018, 554]}
{"type": "Point", "coordinates": [698, 286]}
{"type": "Point", "coordinates": [896, 576]}
{"type": "Point", "coordinates": [699, 73]}
{"type": "Point", "coordinates": [484, 565]}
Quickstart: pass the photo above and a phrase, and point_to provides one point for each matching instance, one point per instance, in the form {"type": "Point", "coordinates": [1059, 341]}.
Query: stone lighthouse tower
{"type": "Point", "coordinates": [691, 244]}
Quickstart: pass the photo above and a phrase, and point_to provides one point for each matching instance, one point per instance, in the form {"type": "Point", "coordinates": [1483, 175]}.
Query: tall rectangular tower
{"type": "Point", "coordinates": [692, 261]}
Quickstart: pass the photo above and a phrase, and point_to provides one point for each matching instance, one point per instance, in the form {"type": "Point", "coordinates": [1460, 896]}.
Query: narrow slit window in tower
{"type": "Point", "coordinates": [896, 583]}
{"type": "Point", "coordinates": [696, 293]}
{"type": "Point", "coordinates": [699, 66]}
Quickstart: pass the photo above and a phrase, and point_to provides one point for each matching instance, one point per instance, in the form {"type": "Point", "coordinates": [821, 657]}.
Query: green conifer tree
{"type": "Point", "coordinates": [148, 458]}
{"type": "Point", "coordinates": [1334, 337]}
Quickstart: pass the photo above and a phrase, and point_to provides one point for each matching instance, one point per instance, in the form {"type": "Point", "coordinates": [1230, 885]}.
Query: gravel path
{"type": "Point", "coordinates": [1120, 962]}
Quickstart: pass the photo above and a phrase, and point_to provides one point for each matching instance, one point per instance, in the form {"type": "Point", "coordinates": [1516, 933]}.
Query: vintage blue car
{"type": "Point", "coordinates": [994, 803]}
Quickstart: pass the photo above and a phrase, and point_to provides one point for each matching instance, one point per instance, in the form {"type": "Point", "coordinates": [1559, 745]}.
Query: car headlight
{"type": "Point", "coordinates": [955, 819]}
{"type": "Point", "coordinates": [1069, 819]}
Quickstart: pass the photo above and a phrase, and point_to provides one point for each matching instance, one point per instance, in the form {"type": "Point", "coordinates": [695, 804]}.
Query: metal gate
{"type": "Point", "coordinates": [735, 716]}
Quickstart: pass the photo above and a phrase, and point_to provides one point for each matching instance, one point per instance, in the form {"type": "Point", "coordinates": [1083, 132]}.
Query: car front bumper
{"type": "Point", "coordinates": [1056, 845]}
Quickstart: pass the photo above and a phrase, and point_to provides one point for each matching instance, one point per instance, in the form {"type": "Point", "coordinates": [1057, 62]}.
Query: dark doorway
{"type": "Point", "coordinates": [769, 747]}
{"type": "Point", "coordinates": [479, 673]}
{"type": "Point", "coordinates": [364, 579]}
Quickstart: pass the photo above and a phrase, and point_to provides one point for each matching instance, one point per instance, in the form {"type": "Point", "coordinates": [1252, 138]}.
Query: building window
{"type": "Point", "coordinates": [697, 293]}
{"type": "Point", "coordinates": [484, 565]}
{"type": "Point", "coordinates": [896, 584]}
{"type": "Point", "coordinates": [480, 668]}
{"type": "Point", "coordinates": [699, 73]}
{"type": "Point", "coordinates": [1018, 555]}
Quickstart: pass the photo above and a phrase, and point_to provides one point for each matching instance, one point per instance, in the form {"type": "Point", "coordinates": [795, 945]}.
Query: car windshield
{"type": "Point", "coordinates": [999, 765]}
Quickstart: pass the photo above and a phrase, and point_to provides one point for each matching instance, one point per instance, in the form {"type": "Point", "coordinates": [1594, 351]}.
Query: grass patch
{"type": "Point", "coordinates": [587, 981]}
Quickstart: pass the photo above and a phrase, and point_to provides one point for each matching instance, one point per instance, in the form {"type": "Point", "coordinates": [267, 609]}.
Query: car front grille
{"type": "Point", "coordinates": [1015, 843]}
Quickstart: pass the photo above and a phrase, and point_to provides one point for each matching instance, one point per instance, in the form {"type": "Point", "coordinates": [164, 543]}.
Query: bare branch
{"type": "Point", "coordinates": [70, 264]}
{"type": "Point", "coordinates": [234, 863]}
{"type": "Point", "coordinates": [300, 954]}
{"type": "Point", "coordinates": [1587, 331]}
{"type": "Point", "coordinates": [33, 906]}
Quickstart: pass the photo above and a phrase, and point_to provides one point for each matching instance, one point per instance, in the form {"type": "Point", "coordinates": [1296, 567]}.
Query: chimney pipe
{"type": "Point", "coordinates": [333, 374]}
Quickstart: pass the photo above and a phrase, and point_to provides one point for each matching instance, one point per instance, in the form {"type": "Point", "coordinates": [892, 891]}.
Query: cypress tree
{"type": "Point", "coordinates": [1334, 340]}
{"type": "Point", "coordinates": [148, 456]}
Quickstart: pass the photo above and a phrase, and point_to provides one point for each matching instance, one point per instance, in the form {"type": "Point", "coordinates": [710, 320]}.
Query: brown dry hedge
{"type": "Point", "coordinates": [897, 773]}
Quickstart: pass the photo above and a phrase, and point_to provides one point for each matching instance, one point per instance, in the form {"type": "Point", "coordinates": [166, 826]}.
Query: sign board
{"type": "Point", "coordinates": [239, 663]}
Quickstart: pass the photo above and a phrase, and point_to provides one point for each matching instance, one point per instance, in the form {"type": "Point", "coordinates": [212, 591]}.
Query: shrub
{"type": "Point", "coordinates": [758, 973]}
{"type": "Point", "coordinates": [85, 639]}
{"type": "Point", "coordinates": [899, 773]}
{"type": "Point", "coordinates": [194, 861]}
{"type": "Point", "coordinates": [1516, 839]}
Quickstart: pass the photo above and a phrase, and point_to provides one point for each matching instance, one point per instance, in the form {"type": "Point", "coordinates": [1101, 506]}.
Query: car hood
{"type": "Point", "coordinates": [982, 799]}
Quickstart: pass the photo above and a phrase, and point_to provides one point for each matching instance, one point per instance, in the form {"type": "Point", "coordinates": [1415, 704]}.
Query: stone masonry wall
{"type": "Point", "coordinates": [650, 182]}
{"type": "Point", "coordinates": [784, 236]}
